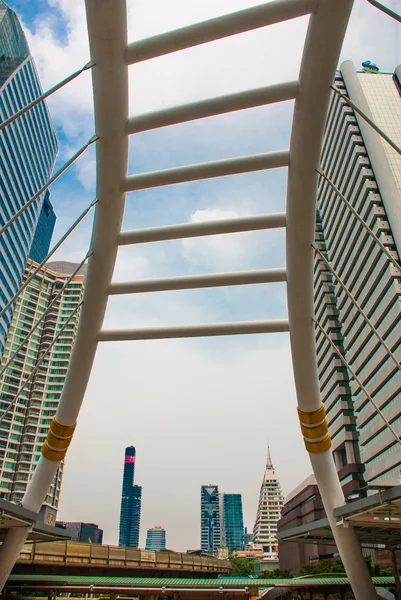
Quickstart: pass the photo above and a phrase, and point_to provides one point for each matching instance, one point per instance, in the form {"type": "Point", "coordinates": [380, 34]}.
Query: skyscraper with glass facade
{"type": "Point", "coordinates": [210, 519]}
{"type": "Point", "coordinates": [233, 522]}
{"type": "Point", "coordinates": [130, 515]}
{"type": "Point", "coordinates": [28, 148]}
{"type": "Point", "coordinates": [31, 386]}
{"type": "Point", "coordinates": [44, 231]}
{"type": "Point", "coordinates": [367, 171]}
{"type": "Point", "coordinates": [156, 538]}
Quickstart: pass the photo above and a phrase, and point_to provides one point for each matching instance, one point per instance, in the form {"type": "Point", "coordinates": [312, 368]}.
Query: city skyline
{"type": "Point", "coordinates": [217, 365]}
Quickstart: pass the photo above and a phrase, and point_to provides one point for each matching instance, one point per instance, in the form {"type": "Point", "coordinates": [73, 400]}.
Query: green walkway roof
{"type": "Point", "coordinates": [72, 580]}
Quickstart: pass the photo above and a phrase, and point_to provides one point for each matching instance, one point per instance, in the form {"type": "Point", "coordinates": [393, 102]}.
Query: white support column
{"type": "Point", "coordinates": [107, 28]}
{"type": "Point", "coordinates": [322, 48]}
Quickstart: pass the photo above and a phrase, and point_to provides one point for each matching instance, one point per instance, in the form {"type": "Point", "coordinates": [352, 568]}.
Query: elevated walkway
{"type": "Point", "coordinates": [75, 558]}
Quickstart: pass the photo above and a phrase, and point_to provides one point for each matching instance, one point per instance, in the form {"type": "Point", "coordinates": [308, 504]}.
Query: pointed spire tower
{"type": "Point", "coordinates": [271, 502]}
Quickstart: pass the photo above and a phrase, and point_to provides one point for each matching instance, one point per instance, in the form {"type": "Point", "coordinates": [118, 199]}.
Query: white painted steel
{"type": "Point", "coordinates": [197, 281]}
{"type": "Point", "coordinates": [218, 168]}
{"type": "Point", "coordinates": [217, 28]}
{"type": "Point", "coordinates": [213, 106]}
{"type": "Point", "coordinates": [189, 230]}
{"type": "Point", "coordinates": [185, 331]}
{"type": "Point", "coordinates": [326, 31]}
{"type": "Point", "coordinates": [107, 28]}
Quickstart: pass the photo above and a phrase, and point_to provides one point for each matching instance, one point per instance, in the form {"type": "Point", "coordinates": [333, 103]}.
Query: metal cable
{"type": "Point", "coordinates": [386, 10]}
{"type": "Point", "coordinates": [361, 221]}
{"type": "Point", "coordinates": [40, 359]}
{"type": "Point", "coordinates": [359, 382]}
{"type": "Point", "coordinates": [367, 119]}
{"type": "Point", "coordinates": [39, 321]}
{"type": "Point", "coordinates": [49, 92]}
{"type": "Point", "coordinates": [358, 306]}
{"type": "Point", "coordinates": [48, 183]}
{"type": "Point", "coordinates": [53, 250]}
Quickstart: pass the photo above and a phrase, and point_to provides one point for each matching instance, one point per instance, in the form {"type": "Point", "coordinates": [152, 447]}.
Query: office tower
{"type": "Point", "coordinates": [28, 149]}
{"type": "Point", "coordinates": [44, 231]}
{"type": "Point", "coordinates": [367, 171]}
{"type": "Point", "coordinates": [30, 388]}
{"type": "Point", "coordinates": [210, 519]}
{"type": "Point", "coordinates": [233, 522]}
{"type": "Point", "coordinates": [82, 532]}
{"type": "Point", "coordinates": [271, 502]}
{"type": "Point", "coordinates": [156, 538]}
{"type": "Point", "coordinates": [130, 515]}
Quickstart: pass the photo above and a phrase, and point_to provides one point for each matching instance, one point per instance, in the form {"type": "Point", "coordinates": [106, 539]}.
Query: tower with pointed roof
{"type": "Point", "coordinates": [271, 502]}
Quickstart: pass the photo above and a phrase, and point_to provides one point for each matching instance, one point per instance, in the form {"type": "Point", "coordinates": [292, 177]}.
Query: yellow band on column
{"type": "Point", "coordinates": [312, 418]}
{"type": "Point", "coordinates": [318, 447]}
{"type": "Point", "coordinates": [57, 441]}
{"type": "Point", "coordinates": [315, 432]}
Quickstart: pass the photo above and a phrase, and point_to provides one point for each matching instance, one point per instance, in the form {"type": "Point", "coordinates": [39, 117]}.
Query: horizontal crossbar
{"type": "Point", "coordinates": [213, 106]}
{"type": "Point", "coordinates": [189, 230]}
{"type": "Point", "coordinates": [197, 281]}
{"type": "Point", "coordinates": [217, 28]}
{"type": "Point", "coordinates": [218, 168]}
{"type": "Point", "coordinates": [187, 331]}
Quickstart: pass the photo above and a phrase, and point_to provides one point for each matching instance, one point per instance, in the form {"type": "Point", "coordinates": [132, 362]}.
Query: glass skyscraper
{"type": "Point", "coordinates": [210, 519]}
{"type": "Point", "coordinates": [233, 522]}
{"type": "Point", "coordinates": [44, 231]}
{"type": "Point", "coordinates": [130, 515]}
{"type": "Point", "coordinates": [156, 538]}
{"type": "Point", "coordinates": [28, 148]}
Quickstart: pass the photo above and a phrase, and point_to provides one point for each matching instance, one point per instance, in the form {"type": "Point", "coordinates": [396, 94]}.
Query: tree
{"type": "Point", "coordinates": [241, 566]}
{"type": "Point", "coordinates": [276, 574]}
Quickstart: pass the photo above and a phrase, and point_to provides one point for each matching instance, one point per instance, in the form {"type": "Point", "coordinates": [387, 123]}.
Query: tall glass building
{"type": "Point", "coordinates": [28, 148]}
{"type": "Point", "coordinates": [210, 519]}
{"type": "Point", "coordinates": [367, 171]}
{"type": "Point", "coordinates": [156, 538]}
{"type": "Point", "coordinates": [31, 386]}
{"type": "Point", "coordinates": [130, 515]}
{"type": "Point", "coordinates": [44, 231]}
{"type": "Point", "coordinates": [233, 522]}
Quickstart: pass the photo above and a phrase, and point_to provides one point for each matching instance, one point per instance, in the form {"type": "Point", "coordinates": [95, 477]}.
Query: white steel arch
{"type": "Point", "coordinates": [110, 57]}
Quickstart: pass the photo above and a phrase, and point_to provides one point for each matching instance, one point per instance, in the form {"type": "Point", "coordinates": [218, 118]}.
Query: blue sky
{"type": "Point", "coordinates": [198, 411]}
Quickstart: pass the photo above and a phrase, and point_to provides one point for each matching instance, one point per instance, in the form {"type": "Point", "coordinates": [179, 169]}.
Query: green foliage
{"type": "Point", "coordinates": [329, 566]}
{"type": "Point", "coordinates": [241, 566]}
{"type": "Point", "coordinates": [276, 574]}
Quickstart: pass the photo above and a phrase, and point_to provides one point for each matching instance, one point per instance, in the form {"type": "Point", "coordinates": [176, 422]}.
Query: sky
{"type": "Point", "coordinates": [198, 411]}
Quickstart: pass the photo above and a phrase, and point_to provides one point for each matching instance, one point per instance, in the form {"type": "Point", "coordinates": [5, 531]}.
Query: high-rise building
{"type": "Point", "coordinates": [130, 515]}
{"type": "Point", "coordinates": [28, 149]}
{"type": "Point", "coordinates": [210, 519]}
{"type": "Point", "coordinates": [232, 522]}
{"type": "Point", "coordinates": [271, 502]}
{"type": "Point", "coordinates": [367, 171]}
{"type": "Point", "coordinates": [82, 532]}
{"type": "Point", "coordinates": [44, 231]}
{"type": "Point", "coordinates": [156, 538]}
{"type": "Point", "coordinates": [30, 387]}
